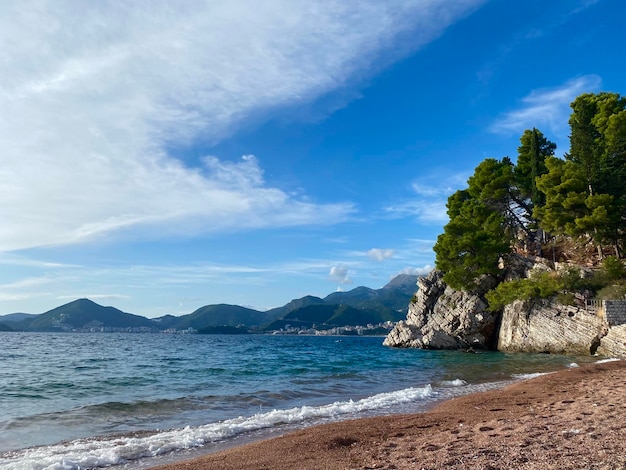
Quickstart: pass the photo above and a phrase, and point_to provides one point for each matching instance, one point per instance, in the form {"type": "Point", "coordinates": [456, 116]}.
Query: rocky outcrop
{"type": "Point", "coordinates": [614, 343]}
{"type": "Point", "coordinates": [545, 326]}
{"type": "Point", "coordinates": [440, 317]}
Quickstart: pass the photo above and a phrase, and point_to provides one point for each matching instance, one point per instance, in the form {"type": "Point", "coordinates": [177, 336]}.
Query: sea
{"type": "Point", "coordinates": [133, 401]}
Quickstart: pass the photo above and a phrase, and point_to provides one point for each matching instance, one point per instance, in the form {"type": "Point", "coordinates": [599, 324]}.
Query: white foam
{"type": "Point", "coordinates": [611, 359]}
{"type": "Point", "coordinates": [453, 383]}
{"type": "Point", "coordinates": [530, 376]}
{"type": "Point", "coordinates": [94, 453]}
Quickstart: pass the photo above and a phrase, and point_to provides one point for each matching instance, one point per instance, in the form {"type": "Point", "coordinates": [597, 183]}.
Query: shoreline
{"type": "Point", "coordinates": [572, 418]}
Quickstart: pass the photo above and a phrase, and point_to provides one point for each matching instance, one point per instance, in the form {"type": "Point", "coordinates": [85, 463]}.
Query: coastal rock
{"type": "Point", "coordinates": [440, 317]}
{"type": "Point", "coordinates": [549, 327]}
{"type": "Point", "coordinates": [614, 343]}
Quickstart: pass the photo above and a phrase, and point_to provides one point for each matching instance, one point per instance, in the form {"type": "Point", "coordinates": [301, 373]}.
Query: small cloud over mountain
{"type": "Point", "coordinates": [339, 274]}
{"type": "Point", "coordinates": [380, 254]}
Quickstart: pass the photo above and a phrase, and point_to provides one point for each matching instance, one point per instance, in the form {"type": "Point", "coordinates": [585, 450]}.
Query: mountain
{"type": "Point", "coordinates": [358, 294]}
{"type": "Point", "coordinates": [295, 304]}
{"type": "Point", "coordinates": [83, 314]}
{"type": "Point", "coordinates": [166, 321]}
{"type": "Point", "coordinates": [358, 306]}
{"type": "Point", "coordinates": [4, 327]}
{"type": "Point", "coordinates": [392, 299]}
{"type": "Point", "coordinates": [403, 282]}
{"type": "Point", "coordinates": [323, 315]}
{"type": "Point", "coordinates": [15, 317]}
{"type": "Point", "coordinates": [221, 315]}
{"type": "Point", "coordinates": [326, 316]}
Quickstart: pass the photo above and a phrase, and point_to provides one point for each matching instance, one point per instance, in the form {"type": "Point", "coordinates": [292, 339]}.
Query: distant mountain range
{"type": "Point", "coordinates": [357, 307]}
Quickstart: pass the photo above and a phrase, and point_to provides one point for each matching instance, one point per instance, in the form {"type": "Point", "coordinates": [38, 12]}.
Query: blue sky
{"type": "Point", "coordinates": [161, 156]}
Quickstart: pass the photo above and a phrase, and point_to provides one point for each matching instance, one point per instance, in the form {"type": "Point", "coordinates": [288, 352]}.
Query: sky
{"type": "Point", "coordinates": [161, 156]}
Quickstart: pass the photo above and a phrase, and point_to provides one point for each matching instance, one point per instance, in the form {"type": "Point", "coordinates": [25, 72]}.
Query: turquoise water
{"type": "Point", "coordinates": [94, 400]}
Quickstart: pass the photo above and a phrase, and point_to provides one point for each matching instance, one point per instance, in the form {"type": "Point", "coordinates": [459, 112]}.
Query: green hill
{"type": "Point", "coordinates": [166, 321]}
{"type": "Point", "coordinates": [325, 316]}
{"type": "Point", "coordinates": [221, 315]}
{"type": "Point", "coordinates": [391, 300]}
{"type": "Point", "coordinates": [16, 317]}
{"type": "Point", "coordinates": [279, 312]}
{"type": "Point", "coordinates": [83, 314]}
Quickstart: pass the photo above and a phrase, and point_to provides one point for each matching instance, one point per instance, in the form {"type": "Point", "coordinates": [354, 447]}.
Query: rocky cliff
{"type": "Point", "coordinates": [440, 317]}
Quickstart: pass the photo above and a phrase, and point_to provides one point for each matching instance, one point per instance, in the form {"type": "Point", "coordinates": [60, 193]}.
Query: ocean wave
{"type": "Point", "coordinates": [102, 452]}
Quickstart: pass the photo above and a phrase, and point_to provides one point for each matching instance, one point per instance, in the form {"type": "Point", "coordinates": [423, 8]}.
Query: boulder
{"type": "Point", "coordinates": [440, 317]}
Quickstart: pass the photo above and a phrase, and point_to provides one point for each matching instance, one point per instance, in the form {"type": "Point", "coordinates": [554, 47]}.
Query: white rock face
{"type": "Point", "coordinates": [443, 318]}
{"type": "Point", "coordinates": [544, 326]}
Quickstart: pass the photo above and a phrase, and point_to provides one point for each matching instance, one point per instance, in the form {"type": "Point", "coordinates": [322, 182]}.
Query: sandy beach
{"type": "Point", "coordinates": [572, 419]}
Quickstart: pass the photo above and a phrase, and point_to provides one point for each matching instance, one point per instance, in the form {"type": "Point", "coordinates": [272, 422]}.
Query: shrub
{"type": "Point", "coordinates": [538, 286]}
{"type": "Point", "coordinates": [566, 298]}
{"type": "Point", "coordinates": [613, 268]}
{"type": "Point", "coordinates": [612, 292]}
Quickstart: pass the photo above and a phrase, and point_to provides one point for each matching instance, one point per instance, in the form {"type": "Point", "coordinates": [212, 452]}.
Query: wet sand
{"type": "Point", "coordinates": [572, 419]}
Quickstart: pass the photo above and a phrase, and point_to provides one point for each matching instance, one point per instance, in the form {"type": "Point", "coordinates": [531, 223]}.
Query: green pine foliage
{"type": "Point", "coordinates": [613, 269]}
{"type": "Point", "coordinates": [540, 201]}
{"type": "Point", "coordinates": [591, 182]}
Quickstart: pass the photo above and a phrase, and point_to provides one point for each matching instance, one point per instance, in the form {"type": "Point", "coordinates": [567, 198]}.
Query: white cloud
{"type": "Point", "coordinates": [95, 95]}
{"type": "Point", "coordinates": [546, 107]}
{"type": "Point", "coordinates": [418, 271]}
{"type": "Point", "coordinates": [380, 254]}
{"type": "Point", "coordinates": [339, 274]}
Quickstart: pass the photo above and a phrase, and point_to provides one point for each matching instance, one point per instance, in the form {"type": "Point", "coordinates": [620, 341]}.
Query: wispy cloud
{"type": "Point", "coordinates": [92, 296]}
{"type": "Point", "coordinates": [545, 108]}
{"type": "Point", "coordinates": [12, 259]}
{"type": "Point", "coordinates": [96, 97]}
{"type": "Point", "coordinates": [431, 195]}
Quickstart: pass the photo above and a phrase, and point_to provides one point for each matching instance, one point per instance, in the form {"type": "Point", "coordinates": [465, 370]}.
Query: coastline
{"type": "Point", "coordinates": [567, 419]}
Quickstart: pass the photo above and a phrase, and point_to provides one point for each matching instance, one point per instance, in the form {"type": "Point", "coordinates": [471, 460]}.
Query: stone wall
{"type": "Point", "coordinates": [615, 312]}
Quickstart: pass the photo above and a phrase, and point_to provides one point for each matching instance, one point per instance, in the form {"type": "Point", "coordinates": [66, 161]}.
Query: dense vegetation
{"type": "Point", "coordinates": [565, 209]}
